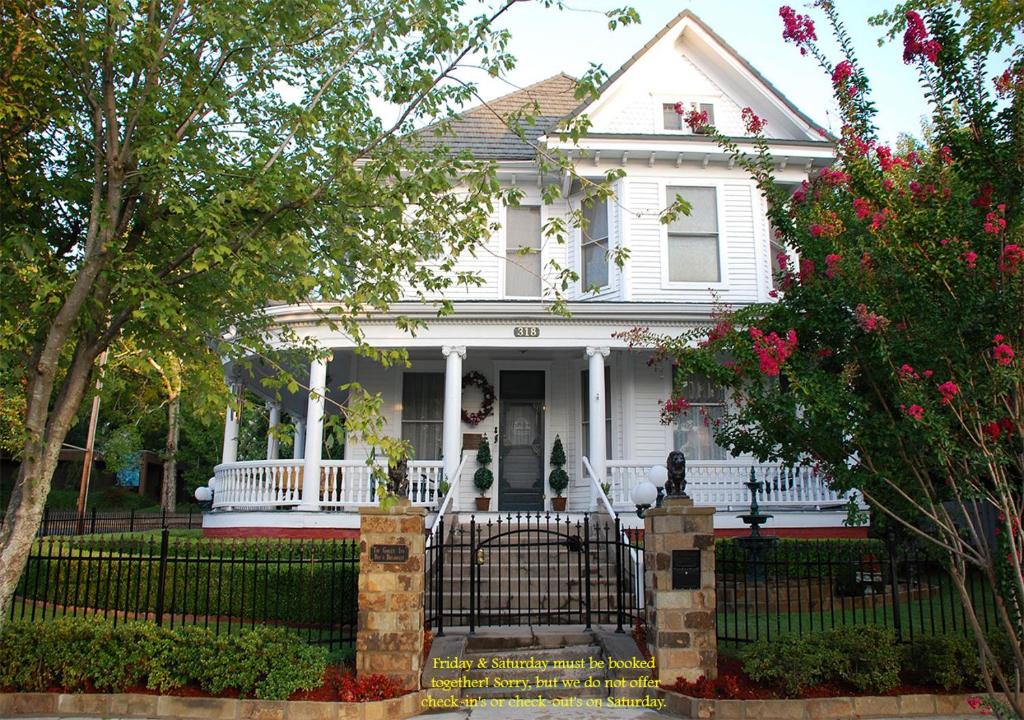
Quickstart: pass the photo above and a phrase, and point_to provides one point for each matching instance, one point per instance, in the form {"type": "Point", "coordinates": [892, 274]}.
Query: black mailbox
{"type": "Point", "coordinates": [686, 569]}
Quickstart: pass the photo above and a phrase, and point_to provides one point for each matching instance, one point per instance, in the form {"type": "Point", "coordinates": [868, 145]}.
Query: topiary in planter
{"type": "Point", "coordinates": [483, 478]}
{"type": "Point", "coordinates": [559, 480]}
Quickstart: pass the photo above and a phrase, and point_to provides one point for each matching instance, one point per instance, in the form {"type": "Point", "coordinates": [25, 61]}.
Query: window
{"type": "Point", "coordinates": [670, 118]}
{"type": "Point", "coordinates": [693, 432]}
{"type": "Point", "coordinates": [693, 238]}
{"type": "Point", "coordinates": [585, 395]}
{"type": "Point", "coordinates": [710, 110]}
{"type": "Point", "coordinates": [522, 252]}
{"type": "Point", "coordinates": [423, 413]}
{"type": "Point", "coordinates": [594, 243]}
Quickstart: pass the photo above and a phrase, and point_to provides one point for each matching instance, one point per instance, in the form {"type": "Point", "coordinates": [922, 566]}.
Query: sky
{"type": "Point", "coordinates": [546, 41]}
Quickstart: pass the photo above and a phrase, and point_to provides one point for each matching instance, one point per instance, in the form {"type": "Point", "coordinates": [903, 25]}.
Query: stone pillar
{"type": "Point", "coordinates": [681, 623]}
{"type": "Point", "coordinates": [229, 451]}
{"type": "Point", "coordinates": [595, 395]}
{"type": "Point", "coordinates": [451, 432]}
{"type": "Point", "coordinates": [390, 635]}
{"type": "Point", "coordinates": [299, 441]}
{"type": "Point", "coordinates": [314, 436]}
{"type": "Point", "coordinates": [273, 422]}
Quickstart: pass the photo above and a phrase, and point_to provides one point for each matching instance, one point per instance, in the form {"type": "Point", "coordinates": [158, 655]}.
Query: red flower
{"type": "Point", "coordinates": [806, 269]}
{"type": "Point", "coordinates": [1011, 259]}
{"type": "Point", "coordinates": [916, 42]}
{"type": "Point", "coordinates": [914, 411]}
{"type": "Point", "coordinates": [907, 372]}
{"type": "Point", "coordinates": [842, 73]}
{"type": "Point", "coordinates": [945, 155]}
{"type": "Point", "coordinates": [697, 120]}
{"type": "Point", "coordinates": [1006, 424]}
{"type": "Point", "coordinates": [831, 263]}
{"type": "Point", "coordinates": [948, 390]}
{"type": "Point", "coordinates": [771, 350]}
{"type": "Point", "coordinates": [971, 258]}
{"type": "Point", "coordinates": [991, 429]}
{"type": "Point", "coordinates": [1001, 351]}
{"type": "Point", "coordinates": [995, 223]}
{"type": "Point", "coordinates": [868, 321]}
{"type": "Point", "coordinates": [928, 373]}
{"type": "Point", "coordinates": [753, 123]}
{"type": "Point", "coordinates": [862, 207]}
{"type": "Point", "coordinates": [798, 29]}
{"type": "Point", "coordinates": [879, 219]}
{"type": "Point", "coordinates": [984, 197]}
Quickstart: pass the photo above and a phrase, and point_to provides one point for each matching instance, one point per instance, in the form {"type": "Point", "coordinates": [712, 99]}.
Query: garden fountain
{"type": "Point", "coordinates": [755, 545]}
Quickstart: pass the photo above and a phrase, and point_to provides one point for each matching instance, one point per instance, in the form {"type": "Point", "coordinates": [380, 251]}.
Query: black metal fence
{"type": "Point", "coordinates": [532, 568]}
{"type": "Point", "coordinates": [70, 522]}
{"type": "Point", "coordinates": [807, 586]}
{"type": "Point", "coordinates": [224, 585]}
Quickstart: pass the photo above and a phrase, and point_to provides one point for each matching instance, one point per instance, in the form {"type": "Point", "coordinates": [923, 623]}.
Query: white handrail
{"type": "Point", "coordinates": [443, 508]}
{"type": "Point", "coordinates": [597, 486]}
{"type": "Point", "coordinates": [637, 556]}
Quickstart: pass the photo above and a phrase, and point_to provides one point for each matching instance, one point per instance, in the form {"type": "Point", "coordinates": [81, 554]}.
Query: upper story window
{"type": "Point", "coordinates": [594, 243]}
{"type": "Point", "coordinates": [423, 413]}
{"type": "Point", "coordinates": [522, 252]}
{"type": "Point", "coordinates": [671, 120]}
{"type": "Point", "coordinates": [693, 238]}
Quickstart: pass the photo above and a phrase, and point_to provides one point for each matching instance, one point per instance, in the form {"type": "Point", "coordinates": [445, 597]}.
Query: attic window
{"type": "Point", "coordinates": [672, 120]}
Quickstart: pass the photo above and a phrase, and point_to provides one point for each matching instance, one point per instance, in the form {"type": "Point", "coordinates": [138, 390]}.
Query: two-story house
{"type": "Point", "coordinates": [571, 377]}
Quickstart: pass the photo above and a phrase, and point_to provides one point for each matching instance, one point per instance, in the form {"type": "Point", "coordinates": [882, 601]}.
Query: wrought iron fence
{"type": "Point", "coordinates": [223, 585]}
{"type": "Point", "coordinates": [532, 568]}
{"type": "Point", "coordinates": [70, 522]}
{"type": "Point", "coordinates": [807, 586]}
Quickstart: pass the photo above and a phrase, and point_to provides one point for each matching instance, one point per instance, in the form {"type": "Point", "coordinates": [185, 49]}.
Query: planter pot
{"type": "Point", "coordinates": [558, 504]}
{"type": "Point", "coordinates": [483, 504]}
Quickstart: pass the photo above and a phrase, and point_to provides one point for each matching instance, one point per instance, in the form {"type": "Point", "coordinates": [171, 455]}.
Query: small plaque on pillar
{"type": "Point", "coordinates": [686, 569]}
{"type": "Point", "coordinates": [471, 441]}
{"type": "Point", "coordinates": [389, 553]}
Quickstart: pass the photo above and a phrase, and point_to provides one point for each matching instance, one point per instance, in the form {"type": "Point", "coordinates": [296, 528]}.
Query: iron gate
{"type": "Point", "coordinates": [532, 569]}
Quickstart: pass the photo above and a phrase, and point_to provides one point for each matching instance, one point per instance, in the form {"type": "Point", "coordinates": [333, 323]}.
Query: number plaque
{"type": "Point", "coordinates": [389, 553]}
{"type": "Point", "coordinates": [526, 331]}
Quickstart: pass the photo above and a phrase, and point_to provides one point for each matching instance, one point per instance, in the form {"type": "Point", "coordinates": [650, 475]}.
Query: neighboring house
{"type": "Point", "coordinates": [568, 377]}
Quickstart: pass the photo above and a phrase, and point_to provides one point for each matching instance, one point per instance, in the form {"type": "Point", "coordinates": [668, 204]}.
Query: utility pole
{"type": "Point", "coordinates": [90, 440]}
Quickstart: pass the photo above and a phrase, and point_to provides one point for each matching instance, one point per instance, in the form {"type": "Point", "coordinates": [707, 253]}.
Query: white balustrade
{"type": "Point", "coordinates": [270, 484]}
{"type": "Point", "coordinates": [721, 484]}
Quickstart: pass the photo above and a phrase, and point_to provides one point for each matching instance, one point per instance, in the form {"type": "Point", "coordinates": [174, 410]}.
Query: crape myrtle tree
{"type": "Point", "coordinates": [170, 167]}
{"type": "Point", "coordinates": [892, 357]}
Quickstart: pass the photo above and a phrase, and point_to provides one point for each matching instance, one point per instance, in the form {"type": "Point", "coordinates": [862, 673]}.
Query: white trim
{"type": "Point", "coordinates": [723, 240]}
{"type": "Point", "coordinates": [503, 251]}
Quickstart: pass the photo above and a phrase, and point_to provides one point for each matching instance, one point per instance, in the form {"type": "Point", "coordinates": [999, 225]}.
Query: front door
{"type": "Point", "coordinates": [521, 440]}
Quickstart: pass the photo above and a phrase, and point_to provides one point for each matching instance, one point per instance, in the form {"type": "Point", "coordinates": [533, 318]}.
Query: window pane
{"type": "Point", "coordinates": [595, 265]}
{"type": "Point", "coordinates": [671, 119]}
{"type": "Point", "coordinates": [695, 436]}
{"type": "Point", "coordinates": [710, 110]}
{"type": "Point", "coordinates": [596, 216]}
{"type": "Point", "coordinates": [422, 413]}
{"type": "Point", "coordinates": [693, 258]}
{"type": "Point", "coordinates": [703, 217]}
{"type": "Point", "coordinates": [701, 389]}
{"type": "Point", "coordinates": [523, 271]}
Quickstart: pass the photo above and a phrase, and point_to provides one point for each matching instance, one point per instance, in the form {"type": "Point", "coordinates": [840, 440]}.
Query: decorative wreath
{"type": "Point", "coordinates": [473, 378]}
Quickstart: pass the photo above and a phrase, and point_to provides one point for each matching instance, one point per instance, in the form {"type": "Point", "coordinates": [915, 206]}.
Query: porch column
{"type": "Point", "coordinates": [314, 435]}
{"type": "Point", "coordinates": [229, 451]}
{"type": "Point", "coordinates": [299, 441]}
{"type": "Point", "coordinates": [273, 422]}
{"type": "Point", "coordinates": [451, 443]}
{"type": "Point", "coordinates": [598, 450]}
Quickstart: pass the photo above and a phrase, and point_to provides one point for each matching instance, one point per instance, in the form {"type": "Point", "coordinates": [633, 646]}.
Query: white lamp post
{"type": "Point", "coordinates": [644, 495]}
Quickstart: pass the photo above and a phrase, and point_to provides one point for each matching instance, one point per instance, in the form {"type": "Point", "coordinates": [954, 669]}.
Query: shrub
{"type": "Point", "coordinates": [71, 653]}
{"type": "Point", "coordinates": [949, 662]}
{"type": "Point", "coordinates": [869, 659]}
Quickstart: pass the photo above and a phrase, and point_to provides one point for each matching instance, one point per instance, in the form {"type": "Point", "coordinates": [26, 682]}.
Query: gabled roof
{"type": "Point", "coordinates": [483, 130]}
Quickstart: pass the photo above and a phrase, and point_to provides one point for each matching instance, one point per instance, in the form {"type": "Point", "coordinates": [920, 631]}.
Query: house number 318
{"type": "Point", "coordinates": [526, 331]}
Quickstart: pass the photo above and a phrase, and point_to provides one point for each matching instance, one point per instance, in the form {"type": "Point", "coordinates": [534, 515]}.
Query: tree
{"type": "Point", "coordinates": [170, 168]}
{"type": "Point", "coordinates": [892, 358]}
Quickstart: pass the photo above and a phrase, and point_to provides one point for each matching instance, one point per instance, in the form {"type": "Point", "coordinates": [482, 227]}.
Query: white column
{"type": "Point", "coordinates": [314, 435]}
{"type": "Point", "coordinates": [299, 441]}
{"type": "Point", "coordinates": [451, 443]}
{"type": "Point", "coordinates": [273, 422]}
{"type": "Point", "coordinates": [595, 392]}
{"type": "Point", "coordinates": [229, 451]}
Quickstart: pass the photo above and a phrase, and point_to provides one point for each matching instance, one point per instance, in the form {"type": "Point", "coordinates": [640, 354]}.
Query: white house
{"type": "Point", "coordinates": [553, 376]}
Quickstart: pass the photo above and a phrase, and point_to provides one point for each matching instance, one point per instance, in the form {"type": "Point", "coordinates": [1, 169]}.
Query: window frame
{"type": "Point", "coordinates": [695, 409]}
{"type": "Point", "coordinates": [723, 268]}
{"type": "Point", "coordinates": [503, 275]}
{"type": "Point", "coordinates": [403, 420]}
{"type": "Point", "coordinates": [689, 103]}
{"type": "Point", "coordinates": [584, 242]}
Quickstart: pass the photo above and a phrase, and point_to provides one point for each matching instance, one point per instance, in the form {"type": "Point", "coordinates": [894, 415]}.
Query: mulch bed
{"type": "Point", "coordinates": [734, 684]}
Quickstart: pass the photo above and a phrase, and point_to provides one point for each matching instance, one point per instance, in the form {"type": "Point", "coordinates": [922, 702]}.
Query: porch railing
{"type": "Point", "coordinates": [277, 484]}
{"type": "Point", "coordinates": [721, 484]}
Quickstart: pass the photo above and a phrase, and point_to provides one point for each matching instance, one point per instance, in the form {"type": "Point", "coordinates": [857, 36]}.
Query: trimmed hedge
{"type": "Point", "coordinates": [305, 584]}
{"type": "Point", "coordinates": [75, 653]}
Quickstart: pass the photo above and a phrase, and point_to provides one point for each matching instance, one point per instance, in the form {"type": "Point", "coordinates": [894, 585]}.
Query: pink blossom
{"type": "Point", "coordinates": [697, 120]}
{"type": "Point", "coordinates": [995, 223]}
{"type": "Point", "coordinates": [835, 178]}
{"type": "Point", "coordinates": [945, 155]}
{"type": "Point", "coordinates": [868, 321]}
{"type": "Point", "coordinates": [771, 350]}
{"type": "Point", "coordinates": [971, 258]}
{"type": "Point", "coordinates": [879, 219]}
{"type": "Point", "coordinates": [753, 123]}
{"type": "Point", "coordinates": [928, 373]}
{"type": "Point", "coordinates": [798, 29]}
{"type": "Point", "coordinates": [773, 293]}
{"type": "Point", "coordinates": [831, 263]}
{"type": "Point", "coordinates": [916, 42]}
{"type": "Point", "coordinates": [907, 372]}
{"type": "Point", "coordinates": [1011, 259]}
{"type": "Point", "coordinates": [842, 73]}
{"type": "Point", "coordinates": [807, 268]}
{"type": "Point", "coordinates": [862, 207]}
{"type": "Point", "coordinates": [983, 198]}
{"type": "Point", "coordinates": [914, 411]}
{"type": "Point", "coordinates": [948, 390]}
{"type": "Point", "coordinates": [1001, 351]}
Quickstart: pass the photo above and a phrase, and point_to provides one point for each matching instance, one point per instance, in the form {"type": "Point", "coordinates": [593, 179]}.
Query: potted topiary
{"type": "Point", "coordinates": [559, 478]}
{"type": "Point", "coordinates": [483, 478]}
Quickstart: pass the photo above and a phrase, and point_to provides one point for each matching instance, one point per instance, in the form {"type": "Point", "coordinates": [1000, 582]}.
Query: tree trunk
{"type": "Point", "coordinates": [169, 490]}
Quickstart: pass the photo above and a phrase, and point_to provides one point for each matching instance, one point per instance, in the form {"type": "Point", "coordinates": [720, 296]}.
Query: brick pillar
{"type": "Point", "coordinates": [390, 636]}
{"type": "Point", "coordinates": [681, 623]}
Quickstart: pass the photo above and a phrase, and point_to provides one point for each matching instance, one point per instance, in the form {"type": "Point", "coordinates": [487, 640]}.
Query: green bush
{"type": "Point", "coordinates": [949, 662]}
{"type": "Point", "coordinates": [863, 657]}
{"type": "Point", "coordinates": [69, 653]}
